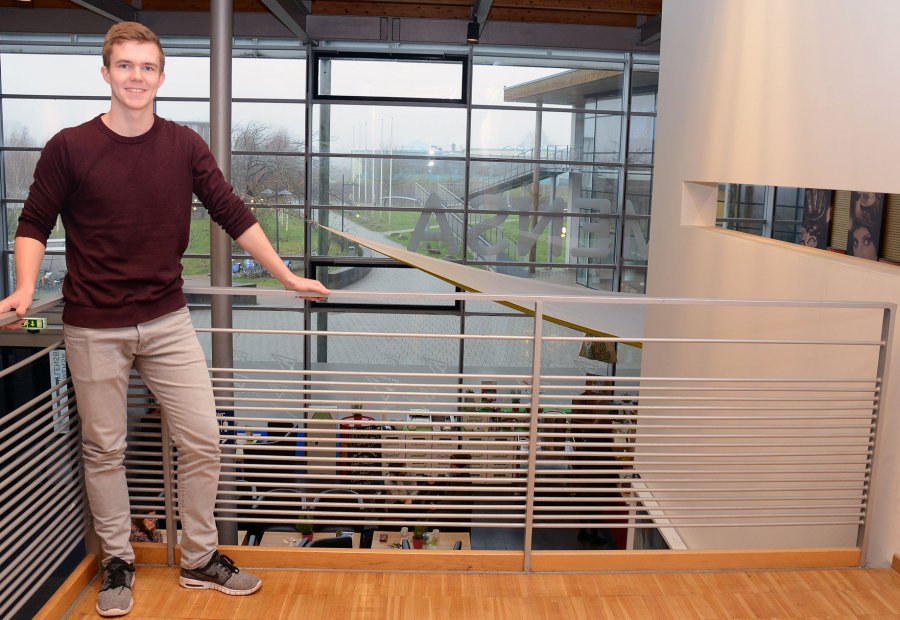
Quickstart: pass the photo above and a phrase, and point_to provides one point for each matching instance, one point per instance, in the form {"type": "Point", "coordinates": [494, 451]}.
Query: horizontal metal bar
{"type": "Point", "coordinates": [586, 299]}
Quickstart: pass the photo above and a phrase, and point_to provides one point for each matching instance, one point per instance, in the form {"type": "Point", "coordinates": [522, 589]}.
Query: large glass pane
{"type": "Point", "coordinates": [644, 87]}
{"type": "Point", "coordinates": [641, 139]}
{"type": "Point", "coordinates": [600, 186]}
{"type": "Point", "coordinates": [503, 84]}
{"type": "Point", "coordinates": [397, 130]}
{"type": "Point", "coordinates": [37, 120]}
{"type": "Point", "coordinates": [284, 226]}
{"type": "Point", "coordinates": [597, 278]}
{"type": "Point", "coordinates": [510, 185]}
{"type": "Point", "coordinates": [431, 184]}
{"type": "Point", "coordinates": [383, 279]}
{"type": "Point", "coordinates": [595, 238]}
{"type": "Point", "coordinates": [634, 280]}
{"type": "Point", "coordinates": [191, 113]}
{"type": "Point", "coordinates": [269, 78]}
{"type": "Point", "coordinates": [268, 127]}
{"type": "Point", "coordinates": [636, 237]}
{"type": "Point", "coordinates": [18, 171]}
{"type": "Point", "coordinates": [182, 73]}
{"type": "Point", "coordinates": [788, 214]}
{"type": "Point", "coordinates": [391, 78]}
{"type": "Point", "coordinates": [269, 179]}
{"type": "Point", "coordinates": [602, 138]}
{"type": "Point", "coordinates": [71, 74]}
{"type": "Point", "coordinates": [517, 238]}
{"type": "Point", "coordinates": [511, 133]}
{"type": "Point", "coordinates": [436, 233]}
{"type": "Point", "coordinates": [637, 192]}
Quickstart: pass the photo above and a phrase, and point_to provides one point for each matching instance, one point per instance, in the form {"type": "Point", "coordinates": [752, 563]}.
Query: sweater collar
{"type": "Point", "coordinates": [101, 126]}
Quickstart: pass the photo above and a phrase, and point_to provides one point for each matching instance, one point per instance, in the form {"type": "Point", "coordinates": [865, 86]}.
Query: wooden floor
{"type": "Point", "coordinates": [345, 595]}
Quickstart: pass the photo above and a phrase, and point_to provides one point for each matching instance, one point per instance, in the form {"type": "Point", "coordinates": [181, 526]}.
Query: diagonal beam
{"type": "Point", "coordinates": [481, 10]}
{"type": "Point", "coordinates": [292, 14]}
{"type": "Point", "coordinates": [480, 13]}
{"type": "Point", "coordinates": [114, 10]}
{"type": "Point", "coordinates": [651, 30]}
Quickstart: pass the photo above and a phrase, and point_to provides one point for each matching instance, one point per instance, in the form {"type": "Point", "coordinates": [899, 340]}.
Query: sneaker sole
{"type": "Point", "coordinates": [199, 584]}
{"type": "Point", "coordinates": [109, 613]}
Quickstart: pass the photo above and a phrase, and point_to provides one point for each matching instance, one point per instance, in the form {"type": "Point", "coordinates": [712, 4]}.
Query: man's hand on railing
{"type": "Point", "coordinates": [305, 285]}
{"type": "Point", "coordinates": [20, 301]}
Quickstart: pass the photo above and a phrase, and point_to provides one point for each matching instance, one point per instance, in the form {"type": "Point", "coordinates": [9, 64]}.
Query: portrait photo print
{"type": "Point", "coordinates": [864, 229]}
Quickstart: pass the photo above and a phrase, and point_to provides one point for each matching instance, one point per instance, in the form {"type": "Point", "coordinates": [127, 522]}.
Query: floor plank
{"type": "Point", "coordinates": [347, 595]}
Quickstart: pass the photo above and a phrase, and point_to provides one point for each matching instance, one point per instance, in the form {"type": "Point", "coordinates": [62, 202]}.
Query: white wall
{"type": "Point", "coordinates": [799, 93]}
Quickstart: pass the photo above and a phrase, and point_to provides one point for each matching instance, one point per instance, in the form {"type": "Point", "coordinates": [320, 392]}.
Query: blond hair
{"type": "Point", "coordinates": [131, 31]}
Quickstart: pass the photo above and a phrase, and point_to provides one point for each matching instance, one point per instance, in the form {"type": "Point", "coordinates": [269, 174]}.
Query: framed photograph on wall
{"type": "Point", "coordinates": [816, 218]}
{"type": "Point", "coordinates": [864, 229]}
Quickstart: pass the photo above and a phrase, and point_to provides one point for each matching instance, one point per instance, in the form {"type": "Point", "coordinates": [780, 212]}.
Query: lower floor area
{"type": "Point", "coordinates": [373, 595]}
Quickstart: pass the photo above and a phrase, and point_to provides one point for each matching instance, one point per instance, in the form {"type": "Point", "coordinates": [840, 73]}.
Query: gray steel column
{"type": "Point", "coordinates": [220, 43]}
{"type": "Point", "coordinates": [323, 66]}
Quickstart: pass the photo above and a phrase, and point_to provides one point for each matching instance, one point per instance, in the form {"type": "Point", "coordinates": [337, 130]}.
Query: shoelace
{"type": "Point", "coordinates": [116, 575]}
{"type": "Point", "coordinates": [227, 562]}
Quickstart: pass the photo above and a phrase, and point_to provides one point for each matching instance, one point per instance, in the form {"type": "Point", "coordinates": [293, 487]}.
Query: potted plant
{"type": "Point", "coordinates": [305, 529]}
{"type": "Point", "coordinates": [418, 540]}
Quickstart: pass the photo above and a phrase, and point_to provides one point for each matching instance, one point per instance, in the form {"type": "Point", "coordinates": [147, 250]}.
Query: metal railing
{"type": "Point", "coordinates": [44, 515]}
{"type": "Point", "coordinates": [500, 429]}
{"type": "Point", "coordinates": [541, 448]}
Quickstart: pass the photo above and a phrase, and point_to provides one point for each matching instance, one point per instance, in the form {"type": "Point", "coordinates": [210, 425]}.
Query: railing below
{"type": "Point", "coordinates": [500, 435]}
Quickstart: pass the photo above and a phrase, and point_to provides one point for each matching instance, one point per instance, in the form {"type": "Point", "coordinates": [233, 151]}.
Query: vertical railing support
{"type": "Point", "coordinates": [877, 443]}
{"type": "Point", "coordinates": [534, 409]}
{"type": "Point", "coordinates": [168, 459]}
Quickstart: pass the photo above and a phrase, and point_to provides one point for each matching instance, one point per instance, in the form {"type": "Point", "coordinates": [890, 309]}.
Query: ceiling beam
{"type": "Point", "coordinates": [113, 10]}
{"type": "Point", "coordinates": [651, 30]}
{"type": "Point", "coordinates": [293, 15]}
{"type": "Point", "coordinates": [480, 13]}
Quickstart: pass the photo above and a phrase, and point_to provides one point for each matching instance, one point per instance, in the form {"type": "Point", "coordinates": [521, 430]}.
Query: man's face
{"type": "Point", "coordinates": [134, 74]}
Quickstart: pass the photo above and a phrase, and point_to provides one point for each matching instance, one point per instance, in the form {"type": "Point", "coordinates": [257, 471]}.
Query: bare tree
{"type": "Point", "coordinates": [18, 166]}
{"type": "Point", "coordinates": [259, 170]}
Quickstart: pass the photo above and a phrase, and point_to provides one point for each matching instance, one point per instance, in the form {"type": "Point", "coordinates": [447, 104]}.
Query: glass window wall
{"type": "Point", "coordinates": [535, 167]}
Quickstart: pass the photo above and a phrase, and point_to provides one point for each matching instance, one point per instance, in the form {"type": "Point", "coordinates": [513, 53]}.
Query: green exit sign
{"type": "Point", "coordinates": [34, 324]}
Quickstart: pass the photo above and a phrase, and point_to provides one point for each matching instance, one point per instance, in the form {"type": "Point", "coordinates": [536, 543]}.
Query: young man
{"type": "Point", "coordinates": [123, 185]}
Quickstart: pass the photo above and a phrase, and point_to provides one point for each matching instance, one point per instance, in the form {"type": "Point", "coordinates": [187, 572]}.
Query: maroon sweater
{"type": "Point", "coordinates": [126, 207]}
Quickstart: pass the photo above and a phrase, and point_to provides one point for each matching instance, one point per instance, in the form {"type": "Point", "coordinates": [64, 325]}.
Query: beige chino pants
{"type": "Point", "coordinates": [168, 356]}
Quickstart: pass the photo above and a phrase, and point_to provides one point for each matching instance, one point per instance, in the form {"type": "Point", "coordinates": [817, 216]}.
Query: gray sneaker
{"type": "Point", "coordinates": [220, 574]}
{"type": "Point", "coordinates": [115, 591]}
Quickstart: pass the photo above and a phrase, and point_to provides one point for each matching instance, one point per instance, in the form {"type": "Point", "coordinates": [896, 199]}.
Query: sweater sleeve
{"type": "Point", "coordinates": [217, 195]}
{"type": "Point", "coordinates": [48, 192]}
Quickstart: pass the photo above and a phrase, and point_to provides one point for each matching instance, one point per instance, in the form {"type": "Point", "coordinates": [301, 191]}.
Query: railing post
{"type": "Point", "coordinates": [168, 457]}
{"type": "Point", "coordinates": [876, 443]}
{"type": "Point", "coordinates": [534, 409]}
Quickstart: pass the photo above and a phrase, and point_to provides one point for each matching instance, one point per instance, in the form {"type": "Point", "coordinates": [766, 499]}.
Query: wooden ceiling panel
{"type": "Point", "coordinates": [436, 10]}
{"type": "Point", "coordinates": [239, 6]}
{"type": "Point", "coordinates": [628, 7]}
{"type": "Point", "coordinates": [562, 17]}
{"type": "Point", "coordinates": [619, 13]}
